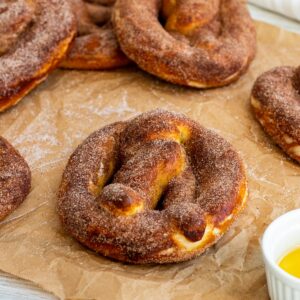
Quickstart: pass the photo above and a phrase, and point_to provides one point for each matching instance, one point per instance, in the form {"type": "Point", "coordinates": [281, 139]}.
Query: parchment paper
{"type": "Point", "coordinates": [48, 125]}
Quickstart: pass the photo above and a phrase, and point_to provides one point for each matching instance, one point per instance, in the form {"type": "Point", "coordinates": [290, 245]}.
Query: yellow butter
{"type": "Point", "coordinates": [291, 263]}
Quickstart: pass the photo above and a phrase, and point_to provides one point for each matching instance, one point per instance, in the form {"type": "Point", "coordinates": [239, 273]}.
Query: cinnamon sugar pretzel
{"type": "Point", "coordinates": [276, 104]}
{"type": "Point", "coordinates": [197, 43]}
{"type": "Point", "coordinates": [35, 35]}
{"type": "Point", "coordinates": [158, 188]}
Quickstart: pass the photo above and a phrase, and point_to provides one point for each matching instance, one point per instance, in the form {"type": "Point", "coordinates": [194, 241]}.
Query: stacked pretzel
{"type": "Point", "coordinates": [95, 46]}
{"type": "Point", "coordinates": [201, 43]}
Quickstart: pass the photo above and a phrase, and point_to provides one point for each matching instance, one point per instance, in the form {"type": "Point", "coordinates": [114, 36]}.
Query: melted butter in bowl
{"type": "Point", "coordinates": [281, 254]}
{"type": "Point", "coordinates": [290, 263]}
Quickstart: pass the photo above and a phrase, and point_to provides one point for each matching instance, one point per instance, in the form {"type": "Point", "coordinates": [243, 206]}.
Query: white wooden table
{"type": "Point", "coordinates": [12, 288]}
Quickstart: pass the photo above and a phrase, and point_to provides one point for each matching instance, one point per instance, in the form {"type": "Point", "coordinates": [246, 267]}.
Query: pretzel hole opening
{"type": "Point", "coordinates": [161, 201]}
{"type": "Point", "coordinates": [162, 19]}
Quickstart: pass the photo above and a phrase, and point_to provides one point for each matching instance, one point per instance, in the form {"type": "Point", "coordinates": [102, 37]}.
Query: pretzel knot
{"type": "Point", "coordinates": [198, 43]}
{"type": "Point", "coordinates": [32, 44]}
{"type": "Point", "coordinates": [158, 188]}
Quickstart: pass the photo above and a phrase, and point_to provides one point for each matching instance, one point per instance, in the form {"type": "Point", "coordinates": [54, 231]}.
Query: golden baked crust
{"type": "Point", "coordinates": [202, 44]}
{"type": "Point", "coordinates": [15, 179]}
{"type": "Point", "coordinates": [275, 101]}
{"type": "Point", "coordinates": [96, 46]}
{"type": "Point", "coordinates": [156, 189]}
{"type": "Point", "coordinates": [37, 34]}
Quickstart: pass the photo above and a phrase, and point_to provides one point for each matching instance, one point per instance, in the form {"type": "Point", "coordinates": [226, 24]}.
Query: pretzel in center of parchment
{"type": "Point", "coordinates": [158, 188]}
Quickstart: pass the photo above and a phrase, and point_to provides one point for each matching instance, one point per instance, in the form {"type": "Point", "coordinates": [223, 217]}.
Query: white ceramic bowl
{"type": "Point", "coordinates": [281, 237]}
{"type": "Point", "coordinates": [290, 8]}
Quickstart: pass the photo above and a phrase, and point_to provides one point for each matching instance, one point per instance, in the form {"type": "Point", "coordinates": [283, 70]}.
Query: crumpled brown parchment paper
{"type": "Point", "coordinates": [48, 125]}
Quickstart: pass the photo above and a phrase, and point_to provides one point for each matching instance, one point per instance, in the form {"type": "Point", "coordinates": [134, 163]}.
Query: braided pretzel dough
{"type": "Point", "coordinates": [95, 46]}
{"type": "Point", "coordinates": [175, 189]}
{"type": "Point", "coordinates": [34, 41]}
{"type": "Point", "coordinates": [276, 104]}
{"type": "Point", "coordinates": [202, 44]}
{"type": "Point", "coordinates": [15, 179]}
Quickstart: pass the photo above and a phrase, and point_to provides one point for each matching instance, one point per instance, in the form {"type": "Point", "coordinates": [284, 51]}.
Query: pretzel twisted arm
{"type": "Point", "coordinates": [159, 165]}
{"type": "Point", "coordinates": [141, 181]}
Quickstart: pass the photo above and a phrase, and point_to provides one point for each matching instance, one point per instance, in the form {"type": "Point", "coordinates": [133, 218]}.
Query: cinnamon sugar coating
{"type": "Point", "coordinates": [201, 43]}
{"type": "Point", "coordinates": [158, 188]}
{"type": "Point", "coordinates": [15, 178]}
{"type": "Point", "coordinates": [276, 104]}
{"type": "Point", "coordinates": [95, 46]}
{"type": "Point", "coordinates": [36, 35]}
{"type": "Point", "coordinates": [15, 17]}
